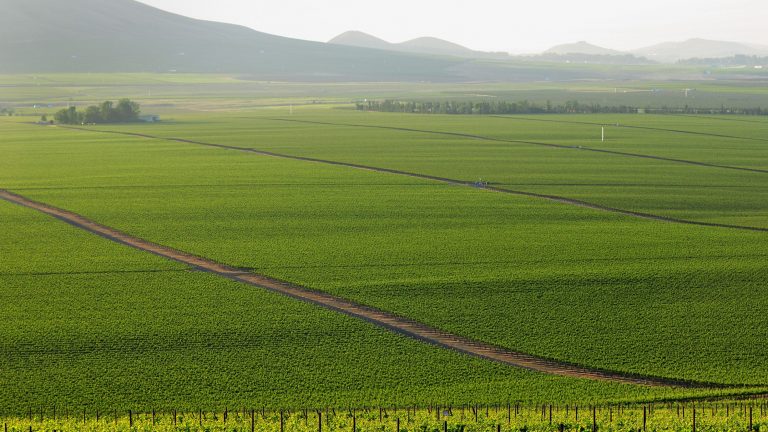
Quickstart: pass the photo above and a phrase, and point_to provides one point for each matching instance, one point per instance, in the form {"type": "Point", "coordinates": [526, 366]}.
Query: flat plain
{"type": "Point", "coordinates": [581, 285]}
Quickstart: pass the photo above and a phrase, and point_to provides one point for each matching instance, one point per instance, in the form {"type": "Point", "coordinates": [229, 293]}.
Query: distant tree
{"type": "Point", "coordinates": [44, 119]}
{"type": "Point", "coordinates": [127, 111]}
{"type": "Point", "coordinates": [69, 116]}
{"type": "Point", "coordinates": [108, 114]}
{"type": "Point", "coordinates": [92, 115]}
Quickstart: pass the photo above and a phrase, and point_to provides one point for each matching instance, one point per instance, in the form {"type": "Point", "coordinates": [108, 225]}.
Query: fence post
{"type": "Point", "coordinates": [644, 418]}
{"type": "Point", "coordinates": [550, 414]}
{"type": "Point", "coordinates": [694, 419]}
{"type": "Point", "coordinates": [253, 425]}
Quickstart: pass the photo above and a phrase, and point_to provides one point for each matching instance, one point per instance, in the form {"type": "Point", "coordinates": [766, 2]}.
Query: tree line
{"type": "Point", "coordinates": [527, 107]}
{"type": "Point", "coordinates": [125, 111]}
{"type": "Point", "coordinates": [737, 60]}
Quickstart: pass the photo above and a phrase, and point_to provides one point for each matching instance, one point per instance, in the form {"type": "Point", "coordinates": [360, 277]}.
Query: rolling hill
{"type": "Point", "coordinates": [129, 36]}
{"type": "Point", "coordinates": [422, 45]}
{"type": "Point", "coordinates": [582, 47]}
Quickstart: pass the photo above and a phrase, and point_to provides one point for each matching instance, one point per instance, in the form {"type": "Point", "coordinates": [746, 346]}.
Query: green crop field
{"type": "Point", "coordinates": [90, 322]}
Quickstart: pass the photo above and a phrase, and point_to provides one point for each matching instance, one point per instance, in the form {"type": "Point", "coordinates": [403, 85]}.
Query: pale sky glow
{"type": "Point", "coordinates": [496, 25]}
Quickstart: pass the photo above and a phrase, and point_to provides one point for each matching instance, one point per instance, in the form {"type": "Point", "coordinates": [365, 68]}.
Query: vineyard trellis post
{"type": "Point", "coordinates": [694, 418]}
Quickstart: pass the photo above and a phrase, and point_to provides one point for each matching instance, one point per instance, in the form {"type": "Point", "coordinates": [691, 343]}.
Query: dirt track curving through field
{"type": "Point", "coordinates": [554, 198]}
{"type": "Point", "coordinates": [378, 317]}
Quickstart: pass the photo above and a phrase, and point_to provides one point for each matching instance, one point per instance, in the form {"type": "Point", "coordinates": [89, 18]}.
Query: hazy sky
{"type": "Point", "coordinates": [498, 25]}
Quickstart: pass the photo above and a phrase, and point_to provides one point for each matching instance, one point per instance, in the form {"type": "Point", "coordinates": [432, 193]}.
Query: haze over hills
{"type": "Point", "coordinates": [422, 45]}
{"type": "Point", "coordinates": [670, 52]}
{"type": "Point", "coordinates": [582, 47]}
{"type": "Point", "coordinates": [128, 36]}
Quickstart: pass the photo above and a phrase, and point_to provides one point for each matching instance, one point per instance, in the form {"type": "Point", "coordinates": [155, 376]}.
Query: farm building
{"type": "Point", "coordinates": [150, 118]}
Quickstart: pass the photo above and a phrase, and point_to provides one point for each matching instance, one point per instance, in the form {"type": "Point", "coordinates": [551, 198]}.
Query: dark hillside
{"type": "Point", "coordinates": [128, 36]}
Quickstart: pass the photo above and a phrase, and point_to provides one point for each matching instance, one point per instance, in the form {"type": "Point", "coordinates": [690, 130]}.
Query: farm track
{"type": "Point", "coordinates": [553, 198]}
{"type": "Point", "coordinates": [378, 317]}
{"type": "Point", "coordinates": [551, 145]}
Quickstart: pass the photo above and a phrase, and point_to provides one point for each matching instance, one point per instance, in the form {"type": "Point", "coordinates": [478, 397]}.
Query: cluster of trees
{"type": "Point", "coordinates": [6, 112]}
{"type": "Point", "coordinates": [125, 111]}
{"type": "Point", "coordinates": [492, 107]}
{"type": "Point", "coordinates": [527, 107]}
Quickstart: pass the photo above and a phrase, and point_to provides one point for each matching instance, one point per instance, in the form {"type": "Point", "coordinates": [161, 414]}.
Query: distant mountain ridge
{"type": "Point", "coordinates": [422, 45]}
{"type": "Point", "coordinates": [667, 52]}
{"type": "Point", "coordinates": [670, 52]}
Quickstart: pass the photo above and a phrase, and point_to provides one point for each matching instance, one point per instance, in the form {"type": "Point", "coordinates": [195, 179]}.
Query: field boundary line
{"type": "Point", "coordinates": [387, 320]}
{"type": "Point", "coordinates": [678, 131]}
{"type": "Point", "coordinates": [456, 182]}
{"type": "Point", "coordinates": [535, 143]}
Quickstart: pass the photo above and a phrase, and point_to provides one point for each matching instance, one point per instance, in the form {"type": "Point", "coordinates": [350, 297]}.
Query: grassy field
{"type": "Point", "coordinates": [575, 284]}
